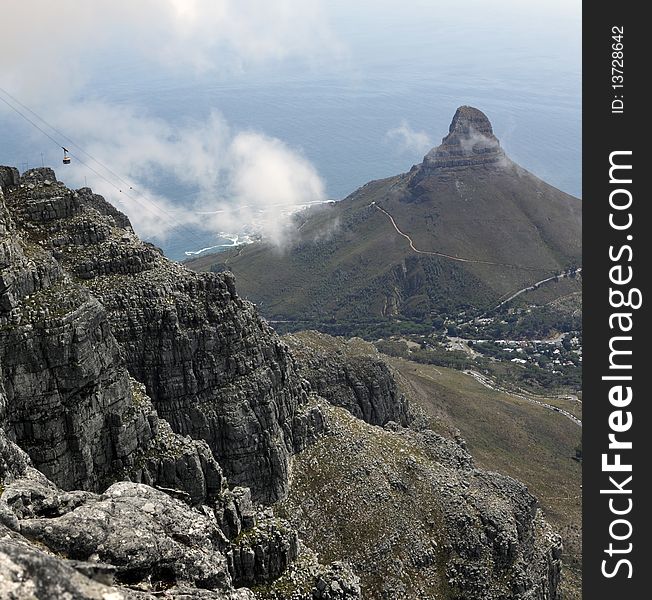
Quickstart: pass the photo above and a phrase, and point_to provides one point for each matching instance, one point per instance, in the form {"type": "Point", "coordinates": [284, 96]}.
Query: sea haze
{"type": "Point", "coordinates": [398, 64]}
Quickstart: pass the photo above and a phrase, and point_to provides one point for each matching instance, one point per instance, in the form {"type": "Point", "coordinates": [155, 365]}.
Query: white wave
{"type": "Point", "coordinates": [235, 240]}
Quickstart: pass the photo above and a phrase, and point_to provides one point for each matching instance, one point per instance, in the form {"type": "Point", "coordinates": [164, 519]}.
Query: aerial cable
{"type": "Point", "coordinates": [67, 154]}
{"type": "Point", "coordinates": [77, 146]}
{"type": "Point", "coordinates": [63, 135]}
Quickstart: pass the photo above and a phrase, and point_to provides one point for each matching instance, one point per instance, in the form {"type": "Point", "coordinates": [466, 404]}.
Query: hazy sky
{"type": "Point", "coordinates": [52, 55]}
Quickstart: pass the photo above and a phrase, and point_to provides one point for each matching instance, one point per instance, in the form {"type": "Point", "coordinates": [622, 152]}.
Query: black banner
{"type": "Point", "coordinates": [617, 433]}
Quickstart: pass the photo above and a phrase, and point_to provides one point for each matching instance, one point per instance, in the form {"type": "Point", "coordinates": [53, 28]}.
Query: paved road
{"type": "Point", "coordinates": [534, 286]}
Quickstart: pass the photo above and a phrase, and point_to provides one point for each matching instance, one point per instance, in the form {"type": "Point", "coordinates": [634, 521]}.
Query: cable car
{"type": "Point", "coordinates": [66, 158]}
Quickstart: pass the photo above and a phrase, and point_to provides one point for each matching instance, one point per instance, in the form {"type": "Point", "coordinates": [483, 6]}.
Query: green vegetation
{"type": "Point", "coordinates": [349, 272]}
{"type": "Point", "coordinates": [509, 434]}
{"type": "Point", "coordinates": [532, 322]}
{"type": "Point", "coordinates": [432, 355]}
{"type": "Point", "coordinates": [347, 266]}
{"type": "Point", "coordinates": [367, 330]}
{"type": "Point", "coordinates": [360, 490]}
{"type": "Point", "coordinates": [494, 361]}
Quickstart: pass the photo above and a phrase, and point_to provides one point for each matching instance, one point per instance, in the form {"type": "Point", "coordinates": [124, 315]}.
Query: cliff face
{"type": "Point", "coordinates": [213, 369]}
{"type": "Point", "coordinates": [69, 399]}
{"type": "Point", "coordinates": [70, 340]}
{"type": "Point", "coordinates": [407, 507]}
{"type": "Point", "coordinates": [136, 542]}
{"type": "Point", "coordinates": [470, 142]}
{"type": "Point", "coordinates": [347, 375]}
{"type": "Point", "coordinates": [133, 391]}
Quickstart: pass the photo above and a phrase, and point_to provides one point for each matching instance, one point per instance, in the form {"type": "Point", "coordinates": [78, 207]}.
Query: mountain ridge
{"type": "Point", "coordinates": [151, 424]}
{"type": "Point", "coordinates": [459, 231]}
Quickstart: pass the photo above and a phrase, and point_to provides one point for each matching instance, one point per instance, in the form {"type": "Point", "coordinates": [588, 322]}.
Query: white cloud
{"type": "Point", "coordinates": [50, 50]}
{"type": "Point", "coordinates": [243, 178]}
{"type": "Point", "coordinates": [53, 46]}
{"type": "Point", "coordinates": [407, 140]}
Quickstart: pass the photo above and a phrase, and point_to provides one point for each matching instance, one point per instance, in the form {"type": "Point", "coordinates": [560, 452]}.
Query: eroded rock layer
{"type": "Point", "coordinates": [212, 367]}
{"type": "Point", "coordinates": [122, 505]}
{"type": "Point", "coordinates": [149, 417]}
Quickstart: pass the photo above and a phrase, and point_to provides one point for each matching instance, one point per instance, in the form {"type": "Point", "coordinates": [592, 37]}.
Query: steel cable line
{"type": "Point", "coordinates": [139, 198]}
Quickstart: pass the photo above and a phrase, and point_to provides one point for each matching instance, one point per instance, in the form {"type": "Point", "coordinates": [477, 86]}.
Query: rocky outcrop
{"type": "Point", "coordinates": [54, 543]}
{"type": "Point", "coordinates": [28, 572]}
{"type": "Point", "coordinates": [169, 544]}
{"type": "Point", "coordinates": [306, 579]}
{"type": "Point", "coordinates": [261, 554]}
{"type": "Point", "coordinates": [84, 305]}
{"type": "Point", "coordinates": [416, 519]}
{"type": "Point", "coordinates": [470, 142]}
{"type": "Point", "coordinates": [9, 177]}
{"type": "Point", "coordinates": [212, 367]}
{"type": "Point", "coordinates": [347, 374]}
{"type": "Point", "coordinates": [134, 541]}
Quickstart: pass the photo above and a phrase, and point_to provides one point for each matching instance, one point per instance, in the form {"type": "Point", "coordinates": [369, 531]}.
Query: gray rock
{"type": "Point", "coordinates": [9, 177]}
{"type": "Point", "coordinates": [213, 368]}
{"type": "Point", "coordinates": [263, 553]}
{"type": "Point", "coordinates": [470, 143]}
{"type": "Point", "coordinates": [339, 371]}
{"type": "Point", "coordinates": [144, 533]}
{"type": "Point", "coordinates": [29, 572]}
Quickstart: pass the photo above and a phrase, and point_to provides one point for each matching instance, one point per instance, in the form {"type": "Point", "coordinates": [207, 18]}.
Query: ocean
{"type": "Point", "coordinates": [524, 74]}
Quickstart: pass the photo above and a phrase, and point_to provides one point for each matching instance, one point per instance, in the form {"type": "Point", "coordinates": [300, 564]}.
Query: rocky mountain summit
{"type": "Point", "coordinates": [458, 232]}
{"type": "Point", "coordinates": [158, 439]}
{"type": "Point", "coordinates": [470, 142]}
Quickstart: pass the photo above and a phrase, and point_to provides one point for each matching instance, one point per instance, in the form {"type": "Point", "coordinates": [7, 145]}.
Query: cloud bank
{"type": "Point", "coordinates": [242, 178]}
{"type": "Point", "coordinates": [56, 46]}
{"type": "Point", "coordinates": [50, 52]}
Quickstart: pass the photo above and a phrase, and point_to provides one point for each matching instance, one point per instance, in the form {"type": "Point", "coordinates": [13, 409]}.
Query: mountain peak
{"type": "Point", "coordinates": [470, 141]}
{"type": "Point", "coordinates": [468, 118]}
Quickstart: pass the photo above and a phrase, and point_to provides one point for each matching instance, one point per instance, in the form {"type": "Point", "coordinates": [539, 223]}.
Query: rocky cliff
{"type": "Point", "coordinates": [344, 373]}
{"type": "Point", "coordinates": [158, 439]}
{"type": "Point", "coordinates": [136, 542]}
{"type": "Point", "coordinates": [212, 367]}
{"type": "Point", "coordinates": [70, 340]}
{"type": "Point", "coordinates": [69, 400]}
{"type": "Point", "coordinates": [406, 506]}
{"type": "Point", "coordinates": [470, 142]}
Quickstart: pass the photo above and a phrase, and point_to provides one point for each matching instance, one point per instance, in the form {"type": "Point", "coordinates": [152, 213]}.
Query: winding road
{"type": "Point", "coordinates": [529, 288]}
{"type": "Point", "coordinates": [449, 256]}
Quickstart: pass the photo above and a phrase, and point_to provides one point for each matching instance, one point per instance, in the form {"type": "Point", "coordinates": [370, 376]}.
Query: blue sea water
{"type": "Point", "coordinates": [521, 68]}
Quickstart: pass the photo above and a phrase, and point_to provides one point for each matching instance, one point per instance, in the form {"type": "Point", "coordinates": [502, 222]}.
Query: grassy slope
{"type": "Point", "coordinates": [344, 489]}
{"type": "Point", "coordinates": [349, 262]}
{"type": "Point", "coordinates": [510, 435]}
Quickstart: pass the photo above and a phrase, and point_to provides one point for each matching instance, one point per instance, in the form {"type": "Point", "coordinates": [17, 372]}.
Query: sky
{"type": "Point", "coordinates": [52, 55]}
